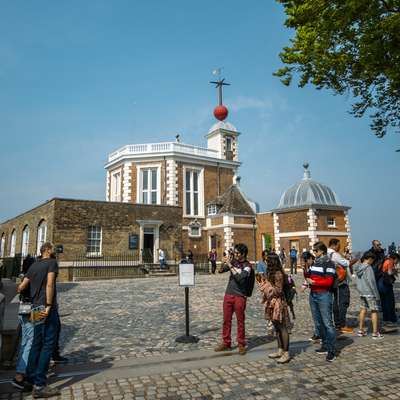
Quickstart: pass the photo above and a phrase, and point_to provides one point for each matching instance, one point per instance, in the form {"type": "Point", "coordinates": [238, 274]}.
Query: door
{"type": "Point", "coordinates": [148, 245]}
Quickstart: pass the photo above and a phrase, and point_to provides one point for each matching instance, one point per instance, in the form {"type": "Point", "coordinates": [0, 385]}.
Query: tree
{"type": "Point", "coordinates": [348, 46]}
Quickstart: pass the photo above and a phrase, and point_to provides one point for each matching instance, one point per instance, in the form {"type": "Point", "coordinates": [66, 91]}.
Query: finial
{"type": "Point", "coordinates": [178, 138]}
{"type": "Point", "coordinates": [307, 174]}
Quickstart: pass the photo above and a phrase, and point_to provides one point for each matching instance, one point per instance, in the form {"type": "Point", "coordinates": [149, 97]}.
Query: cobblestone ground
{"type": "Point", "coordinates": [137, 319]}
{"type": "Point", "coordinates": [120, 319]}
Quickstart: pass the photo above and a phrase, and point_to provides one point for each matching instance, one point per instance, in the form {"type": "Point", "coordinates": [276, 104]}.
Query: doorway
{"type": "Point", "coordinates": [148, 245]}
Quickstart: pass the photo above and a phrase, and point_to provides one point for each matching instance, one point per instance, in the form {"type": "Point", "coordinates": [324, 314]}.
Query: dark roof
{"type": "Point", "coordinates": [234, 202]}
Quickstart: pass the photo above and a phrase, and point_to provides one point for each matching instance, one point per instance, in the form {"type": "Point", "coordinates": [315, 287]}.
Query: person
{"type": "Point", "coordinates": [189, 256]}
{"type": "Point", "coordinates": [276, 307]}
{"type": "Point", "coordinates": [369, 294]}
{"type": "Point", "coordinates": [261, 266]}
{"type": "Point", "coordinates": [26, 331]}
{"type": "Point", "coordinates": [341, 293]}
{"type": "Point", "coordinates": [379, 254]}
{"type": "Point", "coordinates": [392, 249]}
{"type": "Point", "coordinates": [161, 258]}
{"type": "Point", "coordinates": [282, 256]}
{"type": "Point", "coordinates": [235, 296]}
{"type": "Point", "coordinates": [41, 279]}
{"type": "Point", "coordinates": [293, 260]}
{"type": "Point", "coordinates": [212, 257]}
{"type": "Point", "coordinates": [308, 259]}
{"type": "Point", "coordinates": [347, 254]}
{"type": "Point", "coordinates": [385, 287]}
{"type": "Point", "coordinates": [320, 278]}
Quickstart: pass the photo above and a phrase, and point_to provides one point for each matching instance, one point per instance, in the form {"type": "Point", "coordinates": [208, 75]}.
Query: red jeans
{"type": "Point", "coordinates": [237, 305]}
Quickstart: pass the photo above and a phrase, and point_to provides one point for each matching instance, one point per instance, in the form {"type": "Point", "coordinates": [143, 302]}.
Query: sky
{"type": "Point", "coordinates": [81, 79]}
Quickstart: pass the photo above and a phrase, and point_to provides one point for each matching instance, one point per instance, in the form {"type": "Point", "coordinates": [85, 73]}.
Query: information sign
{"type": "Point", "coordinates": [186, 275]}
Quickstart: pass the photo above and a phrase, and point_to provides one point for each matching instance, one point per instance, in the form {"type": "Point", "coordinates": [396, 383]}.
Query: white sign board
{"type": "Point", "coordinates": [186, 275]}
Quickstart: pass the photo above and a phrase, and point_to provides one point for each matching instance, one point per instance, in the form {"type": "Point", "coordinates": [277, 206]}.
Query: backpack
{"type": "Point", "coordinates": [289, 289]}
{"type": "Point", "coordinates": [249, 286]}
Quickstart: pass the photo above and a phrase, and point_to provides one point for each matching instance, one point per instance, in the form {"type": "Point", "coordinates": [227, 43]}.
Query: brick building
{"type": "Point", "coordinates": [177, 197]}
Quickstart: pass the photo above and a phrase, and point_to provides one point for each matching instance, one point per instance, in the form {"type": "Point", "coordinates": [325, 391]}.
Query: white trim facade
{"type": "Point", "coordinates": [172, 183]}
{"type": "Point", "coordinates": [139, 168]}
{"type": "Point", "coordinates": [126, 183]}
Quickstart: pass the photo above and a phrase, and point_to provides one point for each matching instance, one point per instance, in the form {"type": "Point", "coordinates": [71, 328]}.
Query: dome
{"type": "Point", "coordinates": [222, 125]}
{"type": "Point", "coordinates": [308, 192]}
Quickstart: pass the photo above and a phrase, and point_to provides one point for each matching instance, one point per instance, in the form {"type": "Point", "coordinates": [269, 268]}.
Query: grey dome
{"type": "Point", "coordinates": [308, 192]}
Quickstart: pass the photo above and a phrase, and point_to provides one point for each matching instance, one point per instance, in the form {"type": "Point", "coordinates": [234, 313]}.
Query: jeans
{"type": "Point", "coordinates": [56, 351]}
{"type": "Point", "coordinates": [341, 304]}
{"type": "Point", "coordinates": [321, 310]}
{"type": "Point", "coordinates": [293, 265]}
{"type": "Point", "coordinates": [26, 343]}
{"type": "Point", "coordinates": [44, 341]}
{"type": "Point", "coordinates": [388, 304]}
{"type": "Point", "coordinates": [237, 305]}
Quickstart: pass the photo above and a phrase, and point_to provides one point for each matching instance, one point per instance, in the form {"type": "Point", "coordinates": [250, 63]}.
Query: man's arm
{"type": "Point", "coordinates": [51, 282]}
{"type": "Point", "coordinates": [23, 285]}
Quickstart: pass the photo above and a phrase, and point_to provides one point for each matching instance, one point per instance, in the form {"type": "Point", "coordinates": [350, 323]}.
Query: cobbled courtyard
{"type": "Point", "coordinates": [122, 333]}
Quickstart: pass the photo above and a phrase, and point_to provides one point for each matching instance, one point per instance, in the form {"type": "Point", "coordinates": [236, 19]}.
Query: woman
{"type": "Point", "coordinates": [276, 308]}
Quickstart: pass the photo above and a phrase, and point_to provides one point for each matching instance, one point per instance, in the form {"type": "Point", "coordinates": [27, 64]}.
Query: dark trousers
{"type": "Point", "coordinates": [341, 302]}
{"type": "Point", "coordinates": [213, 266]}
{"type": "Point", "coordinates": [293, 265]}
{"type": "Point", "coordinates": [44, 341]}
{"type": "Point", "coordinates": [388, 304]}
{"type": "Point", "coordinates": [56, 352]}
{"type": "Point", "coordinates": [237, 305]}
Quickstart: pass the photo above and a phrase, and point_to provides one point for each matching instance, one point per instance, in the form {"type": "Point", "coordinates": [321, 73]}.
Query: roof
{"type": "Point", "coordinates": [233, 201]}
{"type": "Point", "coordinates": [307, 193]}
{"type": "Point", "coordinates": [223, 125]}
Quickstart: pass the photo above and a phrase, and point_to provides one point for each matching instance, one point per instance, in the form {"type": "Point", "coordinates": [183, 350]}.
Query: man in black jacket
{"type": "Point", "coordinates": [235, 297]}
{"type": "Point", "coordinates": [379, 253]}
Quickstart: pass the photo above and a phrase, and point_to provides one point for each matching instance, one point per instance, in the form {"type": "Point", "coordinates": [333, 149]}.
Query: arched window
{"type": "Point", "coordinates": [2, 245]}
{"type": "Point", "coordinates": [13, 242]}
{"type": "Point", "coordinates": [25, 241]}
{"type": "Point", "coordinates": [41, 235]}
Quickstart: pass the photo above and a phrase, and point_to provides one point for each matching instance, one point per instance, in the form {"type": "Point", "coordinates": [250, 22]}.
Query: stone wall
{"type": "Point", "coordinates": [293, 221]}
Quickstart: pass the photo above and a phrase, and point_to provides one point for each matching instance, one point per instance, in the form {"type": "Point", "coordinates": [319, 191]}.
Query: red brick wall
{"type": "Point", "coordinates": [293, 221]}
{"type": "Point", "coordinates": [265, 225]}
{"type": "Point", "coordinates": [322, 220]}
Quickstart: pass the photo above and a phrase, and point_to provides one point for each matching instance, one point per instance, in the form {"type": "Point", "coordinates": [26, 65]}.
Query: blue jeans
{"type": "Point", "coordinates": [26, 343]}
{"type": "Point", "coordinates": [44, 341]}
{"type": "Point", "coordinates": [321, 305]}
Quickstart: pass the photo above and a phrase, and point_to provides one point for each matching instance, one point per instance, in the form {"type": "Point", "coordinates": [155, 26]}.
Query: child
{"type": "Point", "coordinates": [369, 294]}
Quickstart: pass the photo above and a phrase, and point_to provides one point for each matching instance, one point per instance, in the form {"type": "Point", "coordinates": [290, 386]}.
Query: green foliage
{"type": "Point", "coordinates": [351, 47]}
{"type": "Point", "coordinates": [268, 241]}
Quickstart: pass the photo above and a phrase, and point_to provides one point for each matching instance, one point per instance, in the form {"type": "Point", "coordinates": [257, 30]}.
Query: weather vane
{"type": "Point", "coordinates": [220, 112]}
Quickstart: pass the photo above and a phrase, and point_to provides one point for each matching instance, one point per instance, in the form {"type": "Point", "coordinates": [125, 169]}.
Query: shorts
{"type": "Point", "coordinates": [369, 303]}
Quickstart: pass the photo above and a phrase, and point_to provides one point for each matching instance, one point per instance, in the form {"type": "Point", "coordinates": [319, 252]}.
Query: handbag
{"type": "Point", "coordinates": [24, 308]}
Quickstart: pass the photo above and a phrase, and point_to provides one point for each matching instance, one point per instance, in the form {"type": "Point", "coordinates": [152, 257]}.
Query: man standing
{"type": "Point", "coordinates": [261, 266]}
{"type": "Point", "coordinates": [235, 297]}
{"type": "Point", "coordinates": [320, 277]}
{"type": "Point", "coordinates": [41, 279]}
{"type": "Point", "coordinates": [293, 260]}
{"type": "Point", "coordinates": [379, 254]}
{"type": "Point", "coordinates": [341, 294]}
{"type": "Point", "coordinates": [212, 256]}
{"type": "Point", "coordinates": [161, 258]}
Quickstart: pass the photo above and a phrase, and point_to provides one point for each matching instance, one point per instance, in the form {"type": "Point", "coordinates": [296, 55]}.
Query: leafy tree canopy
{"type": "Point", "coordinates": [349, 46]}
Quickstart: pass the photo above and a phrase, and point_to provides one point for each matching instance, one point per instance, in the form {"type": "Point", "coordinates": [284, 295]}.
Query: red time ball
{"type": "Point", "coordinates": [220, 112]}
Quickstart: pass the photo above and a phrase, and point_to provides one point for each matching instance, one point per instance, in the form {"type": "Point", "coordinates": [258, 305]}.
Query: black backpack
{"type": "Point", "coordinates": [250, 283]}
{"type": "Point", "coordinates": [289, 290]}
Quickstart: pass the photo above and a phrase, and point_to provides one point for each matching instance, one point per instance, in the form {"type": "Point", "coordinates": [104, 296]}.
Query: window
{"type": "Point", "coordinates": [25, 241]}
{"type": "Point", "coordinates": [192, 192]}
{"type": "Point", "coordinates": [149, 186]}
{"type": "Point", "coordinates": [93, 247]}
{"type": "Point", "coordinates": [116, 186]}
{"type": "Point", "coordinates": [2, 245]}
{"type": "Point", "coordinates": [195, 229]}
{"type": "Point", "coordinates": [41, 235]}
{"type": "Point", "coordinates": [13, 243]}
{"type": "Point", "coordinates": [228, 143]}
{"type": "Point", "coordinates": [212, 209]}
{"type": "Point", "coordinates": [331, 222]}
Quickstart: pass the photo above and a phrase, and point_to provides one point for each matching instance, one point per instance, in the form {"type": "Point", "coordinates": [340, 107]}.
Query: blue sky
{"type": "Point", "coordinates": [80, 79]}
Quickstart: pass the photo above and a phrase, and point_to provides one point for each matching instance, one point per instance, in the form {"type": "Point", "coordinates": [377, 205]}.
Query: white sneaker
{"type": "Point", "coordinates": [377, 336]}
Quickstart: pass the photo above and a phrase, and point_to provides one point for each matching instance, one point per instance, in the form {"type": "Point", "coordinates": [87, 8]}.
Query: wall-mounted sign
{"type": "Point", "coordinates": [186, 275]}
{"type": "Point", "coordinates": [133, 241]}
